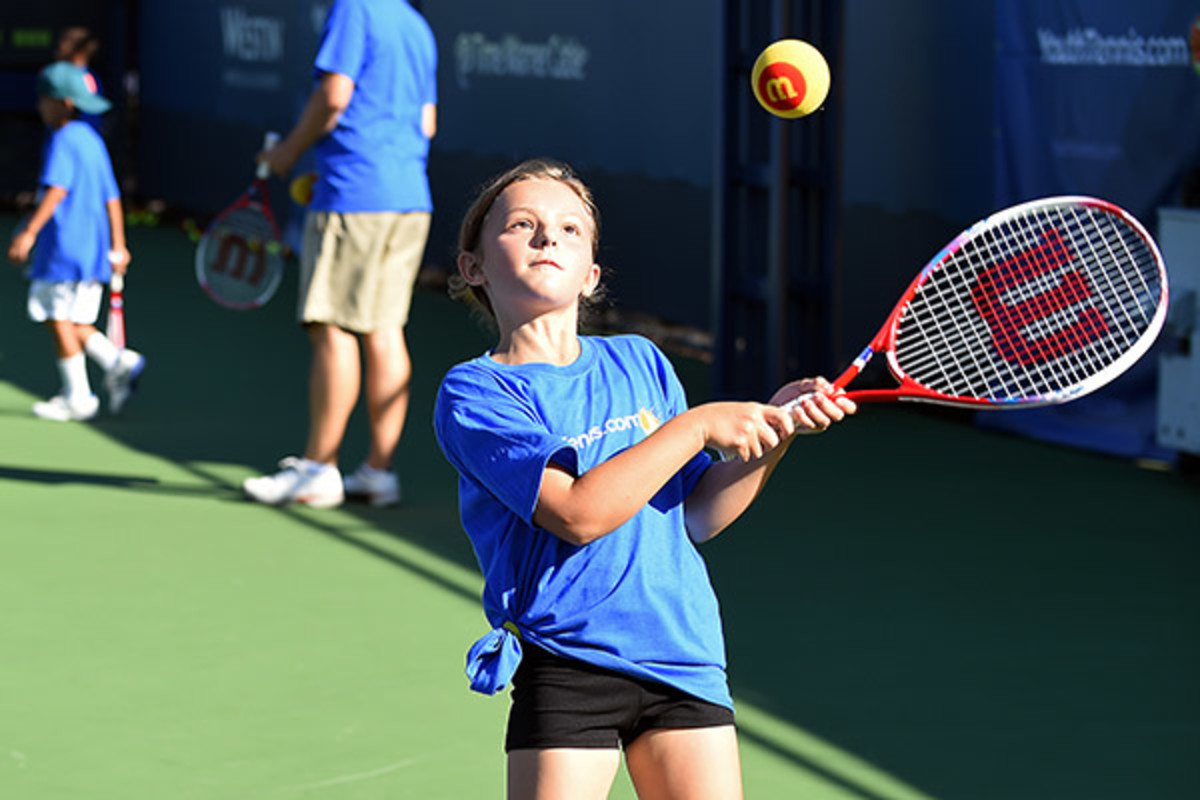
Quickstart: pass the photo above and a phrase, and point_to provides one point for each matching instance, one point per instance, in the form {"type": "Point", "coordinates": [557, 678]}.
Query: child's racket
{"type": "Point", "coordinates": [1038, 304]}
{"type": "Point", "coordinates": [115, 327]}
{"type": "Point", "coordinates": [240, 259]}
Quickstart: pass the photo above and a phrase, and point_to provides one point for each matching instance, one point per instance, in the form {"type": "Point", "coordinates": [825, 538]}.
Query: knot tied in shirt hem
{"type": "Point", "coordinates": [492, 661]}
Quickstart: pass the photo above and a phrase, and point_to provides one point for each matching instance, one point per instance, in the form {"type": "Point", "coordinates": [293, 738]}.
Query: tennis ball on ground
{"type": "Point", "coordinates": [790, 78]}
{"type": "Point", "coordinates": [301, 188]}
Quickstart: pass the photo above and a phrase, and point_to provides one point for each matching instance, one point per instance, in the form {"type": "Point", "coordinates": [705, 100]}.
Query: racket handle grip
{"type": "Point", "coordinates": [797, 400]}
{"type": "Point", "coordinates": [270, 139]}
{"type": "Point", "coordinates": [842, 380]}
{"type": "Point", "coordinates": [116, 283]}
{"type": "Point", "coordinates": [725, 455]}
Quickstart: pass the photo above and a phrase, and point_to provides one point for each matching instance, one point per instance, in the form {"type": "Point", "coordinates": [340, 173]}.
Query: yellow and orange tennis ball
{"type": "Point", "coordinates": [790, 78]}
{"type": "Point", "coordinates": [301, 188]}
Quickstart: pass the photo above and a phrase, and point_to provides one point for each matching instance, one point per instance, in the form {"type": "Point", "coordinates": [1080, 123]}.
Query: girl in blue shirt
{"type": "Point", "coordinates": [585, 484]}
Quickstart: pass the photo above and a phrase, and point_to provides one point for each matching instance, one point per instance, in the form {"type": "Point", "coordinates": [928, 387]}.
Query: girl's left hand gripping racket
{"type": "Point", "coordinates": [240, 258]}
{"type": "Point", "coordinates": [1038, 304]}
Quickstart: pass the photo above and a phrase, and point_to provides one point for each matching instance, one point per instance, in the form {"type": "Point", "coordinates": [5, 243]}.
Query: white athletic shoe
{"type": "Point", "coordinates": [379, 487]}
{"type": "Point", "coordinates": [122, 379]}
{"type": "Point", "coordinates": [298, 481]}
{"type": "Point", "coordinates": [61, 409]}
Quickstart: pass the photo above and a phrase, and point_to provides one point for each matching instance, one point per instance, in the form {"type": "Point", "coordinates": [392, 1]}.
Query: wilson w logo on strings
{"type": "Point", "coordinates": [1020, 322]}
{"type": "Point", "coordinates": [236, 249]}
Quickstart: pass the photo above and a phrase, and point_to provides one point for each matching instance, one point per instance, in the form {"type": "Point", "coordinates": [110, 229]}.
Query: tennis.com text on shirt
{"type": "Point", "coordinates": [644, 420]}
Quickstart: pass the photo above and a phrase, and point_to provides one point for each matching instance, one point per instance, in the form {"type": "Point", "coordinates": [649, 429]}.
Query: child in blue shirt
{"type": "Point", "coordinates": [79, 229]}
{"type": "Point", "coordinates": [584, 486]}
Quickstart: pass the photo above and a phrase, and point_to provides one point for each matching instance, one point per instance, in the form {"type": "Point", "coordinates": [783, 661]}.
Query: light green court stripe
{"type": "Point", "coordinates": [855, 777]}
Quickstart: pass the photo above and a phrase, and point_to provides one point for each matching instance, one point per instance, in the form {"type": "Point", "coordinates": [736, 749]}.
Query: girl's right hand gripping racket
{"type": "Point", "coordinates": [1038, 304]}
{"type": "Point", "coordinates": [240, 258]}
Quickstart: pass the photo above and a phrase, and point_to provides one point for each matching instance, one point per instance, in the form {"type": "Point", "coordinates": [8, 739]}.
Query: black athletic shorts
{"type": "Point", "coordinates": [561, 702]}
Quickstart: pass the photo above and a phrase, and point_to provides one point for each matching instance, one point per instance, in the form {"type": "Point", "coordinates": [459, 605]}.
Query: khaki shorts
{"type": "Point", "coordinates": [357, 270]}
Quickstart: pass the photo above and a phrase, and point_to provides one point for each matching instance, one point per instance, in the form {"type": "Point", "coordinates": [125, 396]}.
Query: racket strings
{"type": "Point", "coordinates": [1033, 306]}
{"type": "Point", "coordinates": [1034, 333]}
{"type": "Point", "coordinates": [1047, 322]}
{"type": "Point", "coordinates": [240, 260]}
{"type": "Point", "coordinates": [1024, 352]}
{"type": "Point", "coordinates": [247, 224]}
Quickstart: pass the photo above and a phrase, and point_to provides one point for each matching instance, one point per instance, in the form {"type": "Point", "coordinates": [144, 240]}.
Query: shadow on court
{"type": "Point", "coordinates": [978, 616]}
{"type": "Point", "coordinates": [137, 483]}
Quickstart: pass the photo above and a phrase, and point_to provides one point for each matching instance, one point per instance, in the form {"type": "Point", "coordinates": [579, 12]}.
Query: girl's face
{"type": "Point", "coordinates": [535, 253]}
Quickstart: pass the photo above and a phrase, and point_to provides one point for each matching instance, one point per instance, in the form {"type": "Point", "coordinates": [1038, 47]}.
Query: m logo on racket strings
{"type": "Point", "coordinates": [241, 252]}
{"type": "Point", "coordinates": [1009, 321]}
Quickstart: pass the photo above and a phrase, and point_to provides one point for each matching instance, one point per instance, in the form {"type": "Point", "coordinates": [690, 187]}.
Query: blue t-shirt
{"type": "Point", "coordinates": [374, 159]}
{"type": "Point", "coordinates": [638, 600]}
{"type": "Point", "coordinates": [74, 244]}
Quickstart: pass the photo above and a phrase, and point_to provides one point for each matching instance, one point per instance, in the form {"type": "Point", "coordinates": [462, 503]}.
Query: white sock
{"type": "Point", "coordinates": [74, 377]}
{"type": "Point", "coordinates": [315, 467]}
{"type": "Point", "coordinates": [102, 351]}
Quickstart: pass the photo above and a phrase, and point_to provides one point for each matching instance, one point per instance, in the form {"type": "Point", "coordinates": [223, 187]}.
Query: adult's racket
{"type": "Point", "coordinates": [114, 328]}
{"type": "Point", "coordinates": [1035, 305]}
{"type": "Point", "coordinates": [240, 258]}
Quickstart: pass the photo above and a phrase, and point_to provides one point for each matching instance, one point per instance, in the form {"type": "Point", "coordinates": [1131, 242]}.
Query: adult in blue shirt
{"type": "Point", "coordinates": [370, 118]}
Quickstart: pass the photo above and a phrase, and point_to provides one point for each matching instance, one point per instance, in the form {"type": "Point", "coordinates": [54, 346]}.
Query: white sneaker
{"type": "Point", "coordinates": [122, 379]}
{"type": "Point", "coordinates": [61, 409]}
{"type": "Point", "coordinates": [298, 481]}
{"type": "Point", "coordinates": [379, 487]}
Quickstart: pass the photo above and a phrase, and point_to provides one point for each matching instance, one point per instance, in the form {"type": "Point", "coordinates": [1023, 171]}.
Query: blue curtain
{"type": "Point", "coordinates": [1102, 98]}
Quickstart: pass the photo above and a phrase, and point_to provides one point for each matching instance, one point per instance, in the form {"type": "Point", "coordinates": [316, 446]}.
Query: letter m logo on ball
{"type": "Point", "coordinates": [790, 78]}
{"type": "Point", "coordinates": [782, 85]}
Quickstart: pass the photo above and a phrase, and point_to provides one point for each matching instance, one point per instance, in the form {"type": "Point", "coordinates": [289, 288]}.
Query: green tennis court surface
{"type": "Point", "coordinates": [983, 618]}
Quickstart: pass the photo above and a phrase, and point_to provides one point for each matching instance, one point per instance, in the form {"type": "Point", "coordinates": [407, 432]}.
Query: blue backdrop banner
{"type": "Point", "coordinates": [1098, 97]}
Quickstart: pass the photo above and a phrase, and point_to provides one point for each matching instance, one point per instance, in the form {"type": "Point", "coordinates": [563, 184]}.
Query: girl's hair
{"type": "Point", "coordinates": [471, 231]}
{"type": "Point", "coordinates": [77, 41]}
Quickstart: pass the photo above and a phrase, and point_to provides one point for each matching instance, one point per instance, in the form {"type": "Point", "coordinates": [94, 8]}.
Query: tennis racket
{"type": "Point", "coordinates": [240, 258]}
{"type": "Point", "coordinates": [1036, 305]}
{"type": "Point", "coordinates": [114, 328]}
